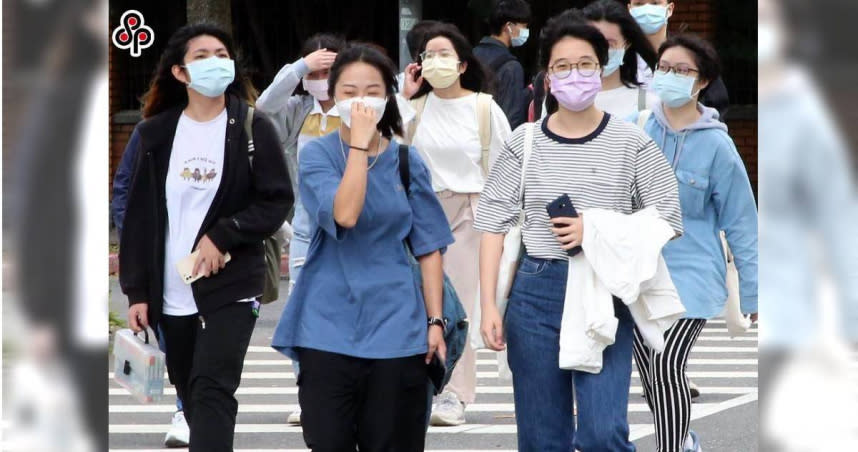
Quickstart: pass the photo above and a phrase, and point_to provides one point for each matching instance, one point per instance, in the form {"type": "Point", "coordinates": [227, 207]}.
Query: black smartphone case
{"type": "Point", "coordinates": [563, 207]}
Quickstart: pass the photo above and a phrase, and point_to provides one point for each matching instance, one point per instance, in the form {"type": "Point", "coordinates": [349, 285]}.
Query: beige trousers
{"type": "Point", "coordinates": [461, 264]}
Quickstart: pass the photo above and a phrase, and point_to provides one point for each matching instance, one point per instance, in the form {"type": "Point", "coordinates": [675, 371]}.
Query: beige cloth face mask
{"type": "Point", "coordinates": [441, 72]}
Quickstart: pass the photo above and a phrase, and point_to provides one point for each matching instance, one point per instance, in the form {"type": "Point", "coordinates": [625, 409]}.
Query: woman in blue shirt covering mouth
{"type": "Point", "coordinates": [356, 320]}
{"type": "Point", "coordinates": [716, 196]}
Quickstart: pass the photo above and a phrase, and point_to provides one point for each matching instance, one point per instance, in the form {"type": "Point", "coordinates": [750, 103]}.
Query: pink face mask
{"type": "Point", "coordinates": [576, 92]}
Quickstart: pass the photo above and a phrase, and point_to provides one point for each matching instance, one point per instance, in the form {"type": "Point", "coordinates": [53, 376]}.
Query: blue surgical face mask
{"type": "Point", "coordinates": [211, 76]}
{"type": "Point", "coordinates": [615, 60]}
{"type": "Point", "coordinates": [673, 89]}
{"type": "Point", "coordinates": [523, 34]}
{"type": "Point", "coordinates": [650, 17]}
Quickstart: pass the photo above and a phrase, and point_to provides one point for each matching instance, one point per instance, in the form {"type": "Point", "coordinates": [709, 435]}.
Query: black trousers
{"type": "Point", "coordinates": [205, 357]}
{"type": "Point", "coordinates": [378, 405]}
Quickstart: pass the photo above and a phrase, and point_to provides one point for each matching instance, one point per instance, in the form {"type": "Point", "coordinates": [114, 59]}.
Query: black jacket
{"type": "Point", "coordinates": [248, 207]}
{"type": "Point", "coordinates": [512, 95]}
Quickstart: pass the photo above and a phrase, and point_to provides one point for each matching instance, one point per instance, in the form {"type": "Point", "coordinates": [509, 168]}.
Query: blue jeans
{"type": "Point", "coordinates": [543, 392]}
{"type": "Point", "coordinates": [162, 344]}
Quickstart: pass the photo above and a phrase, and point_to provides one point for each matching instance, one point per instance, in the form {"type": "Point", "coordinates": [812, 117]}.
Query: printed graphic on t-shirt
{"type": "Point", "coordinates": [199, 172]}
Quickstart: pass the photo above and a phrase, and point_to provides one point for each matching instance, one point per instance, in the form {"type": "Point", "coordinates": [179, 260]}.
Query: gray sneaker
{"type": "Point", "coordinates": [447, 410]}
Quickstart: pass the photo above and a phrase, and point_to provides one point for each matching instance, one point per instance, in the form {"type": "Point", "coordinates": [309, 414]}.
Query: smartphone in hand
{"type": "Point", "coordinates": [185, 267]}
{"type": "Point", "coordinates": [563, 207]}
{"type": "Point", "coordinates": [436, 370]}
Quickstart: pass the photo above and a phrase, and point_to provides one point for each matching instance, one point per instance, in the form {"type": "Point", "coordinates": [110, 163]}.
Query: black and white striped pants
{"type": "Point", "coordinates": [665, 385]}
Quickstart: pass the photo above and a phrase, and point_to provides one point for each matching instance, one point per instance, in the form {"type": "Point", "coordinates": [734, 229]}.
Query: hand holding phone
{"type": "Point", "coordinates": [562, 207]}
{"type": "Point", "coordinates": [436, 370]}
{"type": "Point", "coordinates": [185, 267]}
{"type": "Point", "coordinates": [413, 80]}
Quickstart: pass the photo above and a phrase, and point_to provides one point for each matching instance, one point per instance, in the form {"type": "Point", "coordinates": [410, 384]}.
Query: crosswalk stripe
{"type": "Point", "coordinates": [288, 408]}
{"type": "Point", "coordinates": [691, 362]}
{"type": "Point", "coordinates": [481, 429]}
{"type": "Point", "coordinates": [266, 349]}
{"type": "Point", "coordinates": [494, 374]}
{"type": "Point", "coordinates": [279, 390]}
{"type": "Point", "coordinates": [726, 339]}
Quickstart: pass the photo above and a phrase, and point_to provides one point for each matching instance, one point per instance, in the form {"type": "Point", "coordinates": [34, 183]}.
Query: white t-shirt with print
{"type": "Point", "coordinates": [193, 177]}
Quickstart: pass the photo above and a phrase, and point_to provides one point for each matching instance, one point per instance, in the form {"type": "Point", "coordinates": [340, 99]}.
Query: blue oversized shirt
{"type": "Point", "coordinates": [357, 295]}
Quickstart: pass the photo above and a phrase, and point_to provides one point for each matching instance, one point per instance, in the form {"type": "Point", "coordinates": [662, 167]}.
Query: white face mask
{"type": "Point", "coordinates": [317, 88]}
{"type": "Point", "coordinates": [344, 107]}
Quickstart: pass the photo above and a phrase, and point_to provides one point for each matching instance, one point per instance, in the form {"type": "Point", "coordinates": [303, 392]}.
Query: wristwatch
{"type": "Point", "coordinates": [437, 321]}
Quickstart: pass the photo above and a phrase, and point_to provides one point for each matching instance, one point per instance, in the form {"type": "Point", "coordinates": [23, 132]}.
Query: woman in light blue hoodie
{"type": "Point", "coordinates": [715, 195]}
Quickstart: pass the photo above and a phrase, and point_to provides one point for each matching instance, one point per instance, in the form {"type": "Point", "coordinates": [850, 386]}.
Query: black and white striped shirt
{"type": "Point", "coordinates": [617, 167]}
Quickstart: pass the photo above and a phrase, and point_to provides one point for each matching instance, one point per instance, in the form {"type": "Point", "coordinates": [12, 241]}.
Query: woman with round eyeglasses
{"type": "Point", "coordinates": [716, 196]}
{"type": "Point", "coordinates": [600, 161]}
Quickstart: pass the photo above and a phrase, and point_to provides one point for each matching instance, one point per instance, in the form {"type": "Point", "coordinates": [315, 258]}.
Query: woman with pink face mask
{"type": "Point", "coordinates": [599, 161]}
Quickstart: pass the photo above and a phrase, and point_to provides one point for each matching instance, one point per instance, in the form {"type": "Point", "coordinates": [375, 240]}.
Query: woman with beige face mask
{"type": "Point", "coordinates": [459, 130]}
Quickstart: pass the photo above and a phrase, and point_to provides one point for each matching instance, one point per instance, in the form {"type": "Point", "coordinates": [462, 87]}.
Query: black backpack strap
{"type": "Point", "coordinates": [404, 169]}
{"type": "Point", "coordinates": [405, 178]}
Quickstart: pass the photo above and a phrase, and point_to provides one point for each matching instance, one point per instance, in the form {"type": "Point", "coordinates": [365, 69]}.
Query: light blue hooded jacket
{"type": "Point", "coordinates": [715, 195]}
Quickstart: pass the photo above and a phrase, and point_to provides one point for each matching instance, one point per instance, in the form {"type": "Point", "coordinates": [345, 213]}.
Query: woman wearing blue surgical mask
{"type": "Point", "coordinates": [652, 17]}
{"type": "Point", "coordinates": [622, 93]}
{"type": "Point", "coordinates": [299, 118]}
{"type": "Point", "coordinates": [459, 131]}
{"type": "Point", "coordinates": [716, 195]}
{"type": "Point", "coordinates": [195, 189]}
{"type": "Point", "coordinates": [361, 328]}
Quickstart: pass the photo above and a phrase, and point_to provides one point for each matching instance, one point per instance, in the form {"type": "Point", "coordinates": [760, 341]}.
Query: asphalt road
{"type": "Point", "coordinates": [725, 415]}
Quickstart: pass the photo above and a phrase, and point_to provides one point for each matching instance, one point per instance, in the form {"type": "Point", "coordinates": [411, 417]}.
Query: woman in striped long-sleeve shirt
{"type": "Point", "coordinates": [600, 162]}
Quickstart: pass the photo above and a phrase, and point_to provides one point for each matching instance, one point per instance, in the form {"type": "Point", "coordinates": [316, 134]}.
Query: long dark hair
{"type": "Point", "coordinates": [391, 121]}
{"type": "Point", "coordinates": [615, 13]}
{"type": "Point", "coordinates": [475, 77]}
{"type": "Point", "coordinates": [166, 92]}
{"type": "Point", "coordinates": [570, 23]}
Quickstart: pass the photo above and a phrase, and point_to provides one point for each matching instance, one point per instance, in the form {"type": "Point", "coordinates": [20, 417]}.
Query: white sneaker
{"type": "Point", "coordinates": [447, 410]}
{"type": "Point", "coordinates": [294, 417]}
{"type": "Point", "coordinates": [179, 434]}
{"type": "Point", "coordinates": [692, 442]}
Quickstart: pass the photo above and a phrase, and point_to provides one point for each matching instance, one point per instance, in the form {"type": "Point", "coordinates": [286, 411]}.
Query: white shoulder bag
{"type": "Point", "coordinates": [511, 253]}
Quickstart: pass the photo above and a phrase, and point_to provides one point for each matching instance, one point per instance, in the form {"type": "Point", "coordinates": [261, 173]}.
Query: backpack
{"type": "Point", "coordinates": [456, 332]}
{"type": "Point", "coordinates": [484, 124]}
{"type": "Point", "coordinates": [271, 245]}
